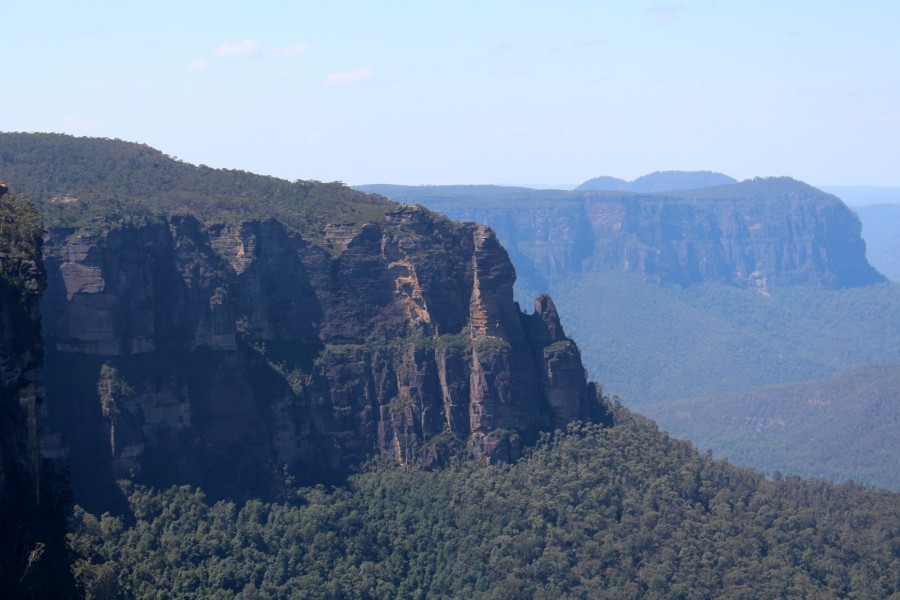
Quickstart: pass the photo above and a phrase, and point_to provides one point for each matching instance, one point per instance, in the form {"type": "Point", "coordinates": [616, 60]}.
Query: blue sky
{"type": "Point", "coordinates": [430, 92]}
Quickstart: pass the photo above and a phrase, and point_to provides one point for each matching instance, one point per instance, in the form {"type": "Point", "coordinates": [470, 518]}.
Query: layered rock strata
{"type": "Point", "coordinates": [757, 233]}
{"type": "Point", "coordinates": [21, 353]}
{"type": "Point", "coordinates": [220, 355]}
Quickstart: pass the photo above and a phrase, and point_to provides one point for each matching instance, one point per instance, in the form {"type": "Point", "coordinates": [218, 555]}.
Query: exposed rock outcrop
{"type": "Point", "coordinates": [216, 355]}
{"type": "Point", "coordinates": [33, 553]}
{"type": "Point", "coordinates": [21, 347]}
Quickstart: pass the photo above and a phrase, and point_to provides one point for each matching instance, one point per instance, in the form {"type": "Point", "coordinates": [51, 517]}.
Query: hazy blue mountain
{"type": "Point", "coordinates": [605, 184]}
{"type": "Point", "coordinates": [659, 181]}
{"type": "Point", "coordinates": [793, 428]}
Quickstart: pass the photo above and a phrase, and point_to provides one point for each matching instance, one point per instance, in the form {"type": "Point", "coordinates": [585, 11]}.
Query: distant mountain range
{"type": "Point", "coordinates": [659, 181]}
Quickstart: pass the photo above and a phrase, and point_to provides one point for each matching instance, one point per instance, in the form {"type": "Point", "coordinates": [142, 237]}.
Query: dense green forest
{"type": "Point", "coordinates": [20, 242]}
{"type": "Point", "coordinates": [77, 181]}
{"type": "Point", "coordinates": [618, 512]}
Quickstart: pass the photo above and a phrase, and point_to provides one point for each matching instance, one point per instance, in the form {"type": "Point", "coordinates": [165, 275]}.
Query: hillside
{"type": "Point", "coordinates": [653, 344]}
{"type": "Point", "coordinates": [76, 181]}
{"type": "Point", "coordinates": [793, 428]}
{"type": "Point", "coordinates": [616, 512]}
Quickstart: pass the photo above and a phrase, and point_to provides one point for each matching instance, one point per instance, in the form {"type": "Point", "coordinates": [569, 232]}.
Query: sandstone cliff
{"type": "Point", "coordinates": [33, 553]}
{"type": "Point", "coordinates": [221, 355]}
{"type": "Point", "coordinates": [757, 233]}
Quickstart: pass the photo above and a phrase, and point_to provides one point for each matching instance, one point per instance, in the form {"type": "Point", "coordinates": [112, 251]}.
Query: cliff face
{"type": "Point", "coordinates": [801, 238]}
{"type": "Point", "coordinates": [21, 350]}
{"type": "Point", "coordinates": [33, 553]}
{"type": "Point", "coordinates": [218, 355]}
{"type": "Point", "coordinates": [751, 234]}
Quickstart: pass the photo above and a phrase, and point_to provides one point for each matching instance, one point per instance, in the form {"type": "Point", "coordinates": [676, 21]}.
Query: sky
{"type": "Point", "coordinates": [506, 92]}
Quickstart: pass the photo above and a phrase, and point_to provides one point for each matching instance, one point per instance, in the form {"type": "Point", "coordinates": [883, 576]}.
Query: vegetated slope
{"type": "Point", "coordinates": [881, 230]}
{"type": "Point", "coordinates": [76, 180]}
{"type": "Point", "coordinates": [657, 345]}
{"type": "Point", "coordinates": [654, 344]}
{"type": "Point", "coordinates": [842, 427]}
{"type": "Point", "coordinates": [659, 181]}
{"type": "Point", "coordinates": [618, 512]}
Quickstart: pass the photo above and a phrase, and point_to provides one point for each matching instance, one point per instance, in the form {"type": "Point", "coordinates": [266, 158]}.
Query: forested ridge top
{"type": "Point", "coordinates": [73, 181]}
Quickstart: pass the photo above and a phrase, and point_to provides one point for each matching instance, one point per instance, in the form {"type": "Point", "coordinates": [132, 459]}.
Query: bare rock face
{"type": "Point", "coordinates": [220, 355]}
{"type": "Point", "coordinates": [21, 362]}
{"type": "Point", "coordinates": [32, 516]}
{"type": "Point", "coordinates": [802, 236]}
{"type": "Point", "coordinates": [756, 234]}
{"type": "Point", "coordinates": [22, 280]}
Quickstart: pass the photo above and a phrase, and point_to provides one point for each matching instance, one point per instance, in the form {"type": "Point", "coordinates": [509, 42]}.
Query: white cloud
{"type": "Point", "coordinates": [349, 76]}
{"type": "Point", "coordinates": [198, 66]}
{"type": "Point", "coordinates": [292, 50]}
{"type": "Point", "coordinates": [315, 136]}
{"type": "Point", "coordinates": [892, 119]}
{"type": "Point", "coordinates": [244, 49]}
{"type": "Point", "coordinates": [666, 13]}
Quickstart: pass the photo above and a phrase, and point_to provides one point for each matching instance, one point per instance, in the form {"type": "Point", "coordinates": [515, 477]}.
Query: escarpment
{"type": "Point", "coordinates": [220, 355]}
{"type": "Point", "coordinates": [755, 234]}
{"type": "Point", "coordinates": [33, 551]}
